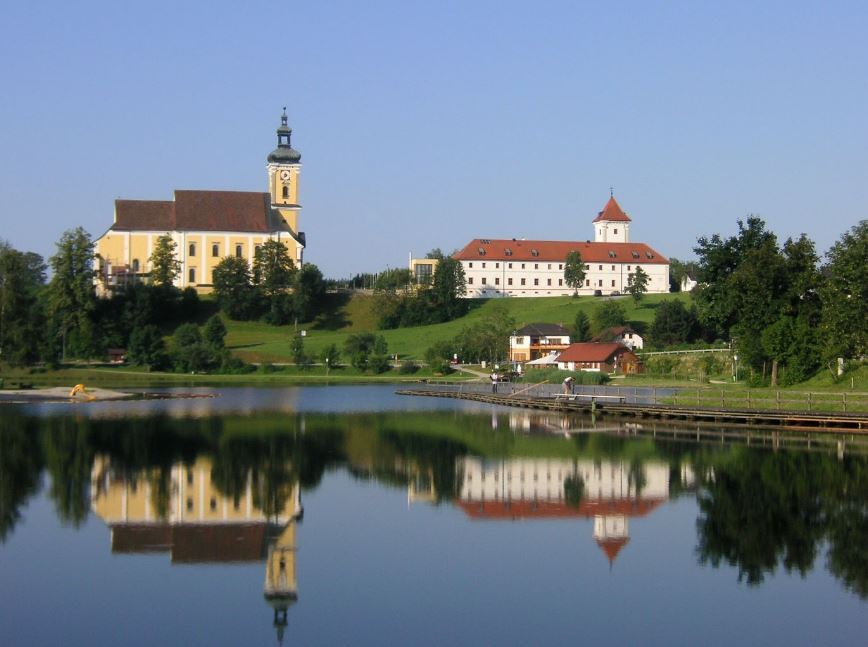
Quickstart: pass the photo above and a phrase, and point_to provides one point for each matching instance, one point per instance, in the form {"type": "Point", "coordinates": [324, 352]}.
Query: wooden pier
{"type": "Point", "coordinates": [831, 422]}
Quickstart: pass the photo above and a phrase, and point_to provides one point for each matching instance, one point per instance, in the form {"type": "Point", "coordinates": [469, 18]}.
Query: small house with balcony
{"type": "Point", "coordinates": [537, 340]}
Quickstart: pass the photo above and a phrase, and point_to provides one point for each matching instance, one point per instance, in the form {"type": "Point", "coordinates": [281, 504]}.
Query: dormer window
{"type": "Point", "coordinates": [507, 251]}
{"type": "Point", "coordinates": [649, 254]}
{"type": "Point", "coordinates": [635, 254]}
{"type": "Point", "coordinates": [612, 254]}
{"type": "Point", "coordinates": [481, 251]}
{"type": "Point", "coordinates": [534, 252]}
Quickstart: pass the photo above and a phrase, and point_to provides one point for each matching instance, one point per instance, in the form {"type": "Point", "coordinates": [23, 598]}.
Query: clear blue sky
{"type": "Point", "coordinates": [426, 124]}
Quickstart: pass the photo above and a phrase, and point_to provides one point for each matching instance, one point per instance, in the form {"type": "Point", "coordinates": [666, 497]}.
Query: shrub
{"type": "Point", "coordinates": [379, 363]}
{"type": "Point", "coordinates": [408, 368]}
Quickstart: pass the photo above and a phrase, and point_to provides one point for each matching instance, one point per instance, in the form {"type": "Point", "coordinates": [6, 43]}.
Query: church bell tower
{"type": "Point", "coordinates": [284, 167]}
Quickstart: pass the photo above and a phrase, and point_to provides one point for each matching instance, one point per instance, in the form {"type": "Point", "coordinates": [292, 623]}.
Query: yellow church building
{"type": "Point", "coordinates": [206, 226]}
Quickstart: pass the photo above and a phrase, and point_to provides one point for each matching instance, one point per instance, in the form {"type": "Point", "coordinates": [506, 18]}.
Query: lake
{"type": "Point", "coordinates": [350, 515]}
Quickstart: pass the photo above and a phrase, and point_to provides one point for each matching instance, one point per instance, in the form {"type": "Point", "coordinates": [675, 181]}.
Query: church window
{"type": "Point", "coordinates": [238, 251]}
{"type": "Point", "coordinates": [213, 503]}
{"type": "Point", "coordinates": [189, 504]}
{"type": "Point", "coordinates": [192, 275]}
{"type": "Point", "coordinates": [192, 250]}
{"type": "Point", "coordinates": [286, 193]}
{"type": "Point", "coordinates": [215, 250]}
{"type": "Point", "coordinates": [135, 265]}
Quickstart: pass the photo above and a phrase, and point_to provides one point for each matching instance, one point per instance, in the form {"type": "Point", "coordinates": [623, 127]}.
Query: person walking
{"type": "Point", "coordinates": [494, 381]}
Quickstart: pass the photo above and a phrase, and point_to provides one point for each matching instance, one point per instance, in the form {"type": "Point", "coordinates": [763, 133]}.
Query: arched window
{"type": "Point", "coordinates": [238, 251]}
{"type": "Point", "coordinates": [192, 250]}
{"type": "Point", "coordinates": [285, 192]}
{"type": "Point", "coordinates": [135, 265]}
{"type": "Point", "coordinates": [215, 250]}
{"type": "Point", "coordinates": [191, 275]}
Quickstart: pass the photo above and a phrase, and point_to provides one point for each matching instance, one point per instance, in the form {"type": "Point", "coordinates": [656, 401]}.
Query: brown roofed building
{"type": "Point", "coordinates": [612, 357]}
{"type": "Point", "coordinates": [206, 226]}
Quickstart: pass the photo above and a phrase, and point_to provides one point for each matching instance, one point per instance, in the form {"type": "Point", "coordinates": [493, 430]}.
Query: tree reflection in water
{"type": "Point", "coordinates": [758, 509]}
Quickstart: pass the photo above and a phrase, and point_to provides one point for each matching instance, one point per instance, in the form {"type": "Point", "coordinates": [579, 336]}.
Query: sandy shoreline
{"type": "Point", "coordinates": [60, 394]}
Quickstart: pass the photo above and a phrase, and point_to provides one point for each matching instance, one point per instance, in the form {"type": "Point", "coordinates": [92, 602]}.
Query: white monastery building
{"type": "Point", "coordinates": [535, 268]}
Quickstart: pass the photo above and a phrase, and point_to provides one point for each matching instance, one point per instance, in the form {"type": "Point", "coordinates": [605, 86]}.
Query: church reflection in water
{"type": "Point", "coordinates": [184, 514]}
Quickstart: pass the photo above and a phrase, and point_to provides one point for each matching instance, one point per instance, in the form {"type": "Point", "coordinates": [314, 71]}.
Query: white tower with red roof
{"type": "Point", "coordinates": [612, 225]}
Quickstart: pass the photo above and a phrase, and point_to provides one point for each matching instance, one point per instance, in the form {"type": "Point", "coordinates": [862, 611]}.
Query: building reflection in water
{"type": "Point", "coordinates": [609, 491]}
{"type": "Point", "coordinates": [189, 518]}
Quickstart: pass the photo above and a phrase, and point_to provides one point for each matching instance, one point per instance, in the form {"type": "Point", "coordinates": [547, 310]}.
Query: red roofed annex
{"type": "Point", "coordinates": [535, 268]}
{"type": "Point", "coordinates": [206, 226]}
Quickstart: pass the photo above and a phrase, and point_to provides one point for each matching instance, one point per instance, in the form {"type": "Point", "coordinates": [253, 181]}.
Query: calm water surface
{"type": "Point", "coordinates": [350, 515]}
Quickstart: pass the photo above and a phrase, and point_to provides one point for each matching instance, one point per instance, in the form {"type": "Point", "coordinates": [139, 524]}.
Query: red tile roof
{"type": "Point", "coordinates": [591, 352]}
{"type": "Point", "coordinates": [612, 547]}
{"type": "Point", "coordinates": [503, 510]}
{"type": "Point", "coordinates": [248, 211]}
{"type": "Point", "coordinates": [612, 211]}
{"type": "Point", "coordinates": [557, 250]}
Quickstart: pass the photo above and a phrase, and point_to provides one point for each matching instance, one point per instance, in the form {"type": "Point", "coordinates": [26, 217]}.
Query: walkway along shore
{"type": "Point", "coordinates": [587, 403]}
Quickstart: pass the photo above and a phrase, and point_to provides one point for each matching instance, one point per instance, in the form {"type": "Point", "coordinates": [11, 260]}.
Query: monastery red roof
{"type": "Point", "coordinates": [612, 211]}
{"type": "Point", "coordinates": [480, 249]}
{"type": "Point", "coordinates": [587, 508]}
{"type": "Point", "coordinates": [248, 211]}
{"type": "Point", "coordinates": [591, 352]}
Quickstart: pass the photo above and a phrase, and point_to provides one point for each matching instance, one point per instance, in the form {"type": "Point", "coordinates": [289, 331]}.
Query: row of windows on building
{"type": "Point", "coordinates": [536, 282]}
{"type": "Point", "coordinates": [215, 250]}
{"type": "Point", "coordinates": [191, 250]}
{"type": "Point", "coordinates": [550, 266]}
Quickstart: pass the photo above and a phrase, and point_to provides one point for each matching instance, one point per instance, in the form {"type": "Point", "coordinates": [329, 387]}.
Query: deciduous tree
{"type": "Point", "coordinates": [165, 266]}
{"type": "Point", "coordinates": [574, 271]}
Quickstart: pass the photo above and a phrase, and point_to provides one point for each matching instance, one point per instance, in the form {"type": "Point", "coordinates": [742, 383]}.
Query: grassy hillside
{"type": "Point", "coordinates": [256, 341]}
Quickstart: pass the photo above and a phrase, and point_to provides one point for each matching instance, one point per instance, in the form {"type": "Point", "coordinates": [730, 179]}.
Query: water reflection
{"type": "Point", "coordinates": [610, 492]}
{"type": "Point", "coordinates": [227, 488]}
{"type": "Point", "coordinates": [183, 511]}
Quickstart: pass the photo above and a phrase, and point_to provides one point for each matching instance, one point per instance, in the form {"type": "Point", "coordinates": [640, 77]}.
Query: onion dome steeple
{"type": "Point", "coordinates": [284, 153]}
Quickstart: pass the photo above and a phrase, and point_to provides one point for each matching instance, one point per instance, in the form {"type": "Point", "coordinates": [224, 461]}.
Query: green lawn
{"type": "Point", "coordinates": [256, 341]}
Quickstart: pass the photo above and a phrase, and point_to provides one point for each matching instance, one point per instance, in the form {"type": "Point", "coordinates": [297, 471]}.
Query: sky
{"type": "Point", "coordinates": [428, 124]}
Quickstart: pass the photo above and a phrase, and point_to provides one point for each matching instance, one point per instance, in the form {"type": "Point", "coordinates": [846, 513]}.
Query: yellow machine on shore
{"type": "Point", "coordinates": [79, 388]}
